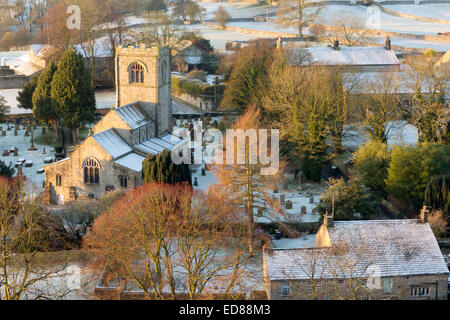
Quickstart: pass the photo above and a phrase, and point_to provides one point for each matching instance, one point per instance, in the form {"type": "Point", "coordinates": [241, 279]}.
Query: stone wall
{"type": "Point", "coordinates": [401, 289]}
{"type": "Point", "coordinates": [71, 171]}
{"type": "Point", "coordinates": [154, 91]}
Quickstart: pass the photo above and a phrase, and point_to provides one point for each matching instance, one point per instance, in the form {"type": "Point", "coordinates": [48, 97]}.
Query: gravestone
{"type": "Point", "coordinates": [203, 172]}
{"type": "Point", "coordinates": [288, 204]}
{"type": "Point", "coordinates": [311, 200]}
{"type": "Point", "coordinates": [195, 182]}
{"type": "Point", "coordinates": [282, 198]}
{"type": "Point", "coordinates": [303, 210]}
{"type": "Point", "coordinates": [3, 133]}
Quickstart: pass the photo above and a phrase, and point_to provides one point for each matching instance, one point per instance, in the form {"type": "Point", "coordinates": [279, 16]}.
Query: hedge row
{"type": "Point", "coordinates": [180, 86]}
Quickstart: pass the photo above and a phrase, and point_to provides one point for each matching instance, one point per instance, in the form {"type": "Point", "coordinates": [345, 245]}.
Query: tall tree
{"type": "Point", "coordinates": [247, 78]}
{"type": "Point", "coordinates": [371, 163]}
{"type": "Point", "coordinates": [429, 112]}
{"type": "Point", "coordinates": [160, 168]}
{"type": "Point", "coordinates": [161, 29]}
{"type": "Point", "coordinates": [4, 108]}
{"type": "Point", "coordinates": [221, 16]}
{"type": "Point", "coordinates": [24, 97]}
{"type": "Point", "coordinates": [243, 182]}
{"type": "Point", "coordinates": [412, 167]}
{"type": "Point", "coordinates": [45, 108]}
{"type": "Point", "coordinates": [72, 91]}
{"type": "Point", "coordinates": [437, 193]}
{"type": "Point", "coordinates": [298, 14]}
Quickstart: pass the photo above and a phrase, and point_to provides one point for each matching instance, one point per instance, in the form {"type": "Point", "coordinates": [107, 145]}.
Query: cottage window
{"type": "Point", "coordinates": [91, 171]}
{"type": "Point", "coordinates": [388, 284]}
{"type": "Point", "coordinates": [136, 73]}
{"type": "Point", "coordinates": [58, 180]}
{"type": "Point", "coordinates": [123, 180]}
{"type": "Point", "coordinates": [286, 289]}
{"type": "Point", "coordinates": [420, 291]}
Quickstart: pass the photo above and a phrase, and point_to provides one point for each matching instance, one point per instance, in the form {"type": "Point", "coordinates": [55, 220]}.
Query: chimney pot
{"type": "Point", "coordinates": [387, 43]}
{"type": "Point", "coordinates": [424, 214]}
{"type": "Point", "coordinates": [336, 43]}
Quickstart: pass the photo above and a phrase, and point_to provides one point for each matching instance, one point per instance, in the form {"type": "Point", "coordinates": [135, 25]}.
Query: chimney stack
{"type": "Point", "coordinates": [387, 43]}
{"type": "Point", "coordinates": [279, 43]}
{"type": "Point", "coordinates": [336, 43]}
{"type": "Point", "coordinates": [424, 214]}
{"type": "Point", "coordinates": [328, 220]}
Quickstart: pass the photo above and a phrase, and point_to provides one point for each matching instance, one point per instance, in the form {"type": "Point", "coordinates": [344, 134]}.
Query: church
{"type": "Point", "coordinates": [111, 158]}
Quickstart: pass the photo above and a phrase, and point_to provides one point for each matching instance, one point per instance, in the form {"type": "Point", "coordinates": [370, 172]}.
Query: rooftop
{"type": "Point", "coordinates": [112, 143]}
{"type": "Point", "coordinates": [133, 115]}
{"type": "Point", "coordinates": [357, 56]}
{"type": "Point", "coordinates": [393, 247]}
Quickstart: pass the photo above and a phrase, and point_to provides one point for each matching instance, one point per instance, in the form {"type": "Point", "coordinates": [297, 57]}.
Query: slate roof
{"type": "Point", "coordinates": [158, 144]}
{"type": "Point", "coordinates": [393, 247]}
{"type": "Point", "coordinates": [133, 115]}
{"type": "Point", "coordinates": [357, 56]}
{"type": "Point", "coordinates": [112, 143]}
{"type": "Point", "coordinates": [132, 161]}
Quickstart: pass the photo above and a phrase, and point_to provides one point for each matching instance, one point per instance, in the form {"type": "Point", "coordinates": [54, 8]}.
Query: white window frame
{"type": "Point", "coordinates": [388, 284]}
{"type": "Point", "coordinates": [286, 289]}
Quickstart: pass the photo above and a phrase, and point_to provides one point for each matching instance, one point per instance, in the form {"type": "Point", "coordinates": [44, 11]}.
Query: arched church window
{"type": "Point", "coordinates": [91, 171]}
{"type": "Point", "coordinates": [123, 180]}
{"type": "Point", "coordinates": [137, 73]}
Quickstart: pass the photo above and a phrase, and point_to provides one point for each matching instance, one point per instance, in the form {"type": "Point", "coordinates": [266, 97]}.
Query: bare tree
{"type": "Point", "coordinates": [298, 14]}
{"type": "Point", "coordinates": [169, 242]}
{"type": "Point", "coordinates": [161, 30]}
{"type": "Point", "coordinates": [222, 16]}
{"type": "Point", "coordinates": [349, 28]}
{"type": "Point", "coordinates": [438, 223]}
{"type": "Point", "coordinates": [428, 110]}
{"type": "Point", "coordinates": [25, 231]}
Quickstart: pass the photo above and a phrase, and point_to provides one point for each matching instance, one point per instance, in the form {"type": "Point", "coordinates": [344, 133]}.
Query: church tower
{"type": "Point", "coordinates": [143, 75]}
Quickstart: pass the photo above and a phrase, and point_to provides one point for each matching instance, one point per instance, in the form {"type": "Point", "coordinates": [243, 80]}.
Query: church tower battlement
{"type": "Point", "coordinates": [143, 75]}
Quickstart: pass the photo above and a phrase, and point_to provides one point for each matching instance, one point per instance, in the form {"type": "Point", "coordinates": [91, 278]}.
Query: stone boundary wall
{"type": "Point", "coordinates": [411, 16]}
{"type": "Point", "coordinates": [270, 34]}
{"type": "Point", "coordinates": [204, 104]}
{"type": "Point", "coordinates": [372, 32]}
{"type": "Point", "coordinates": [15, 81]}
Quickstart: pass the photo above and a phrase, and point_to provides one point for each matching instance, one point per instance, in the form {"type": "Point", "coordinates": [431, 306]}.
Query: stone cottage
{"type": "Point", "coordinates": [111, 158]}
{"type": "Point", "coordinates": [371, 259]}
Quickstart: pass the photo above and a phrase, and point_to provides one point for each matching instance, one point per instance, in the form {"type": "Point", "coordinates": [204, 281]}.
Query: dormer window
{"type": "Point", "coordinates": [136, 73]}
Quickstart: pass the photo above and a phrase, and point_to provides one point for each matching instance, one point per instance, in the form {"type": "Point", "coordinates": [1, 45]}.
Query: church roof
{"type": "Point", "coordinates": [132, 161]}
{"type": "Point", "coordinates": [133, 115]}
{"type": "Point", "coordinates": [112, 143]}
{"type": "Point", "coordinates": [158, 144]}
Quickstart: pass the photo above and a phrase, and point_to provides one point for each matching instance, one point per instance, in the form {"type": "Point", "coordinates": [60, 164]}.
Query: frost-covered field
{"type": "Point", "coordinates": [438, 11]}
{"type": "Point", "coordinates": [375, 19]}
{"type": "Point", "coordinates": [236, 9]}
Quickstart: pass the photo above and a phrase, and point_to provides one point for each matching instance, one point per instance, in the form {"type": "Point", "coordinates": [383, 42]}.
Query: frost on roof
{"type": "Point", "coordinates": [157, 145]}
{"type": "Point", "coordinates": [133, 115]}
{"type": "Point", "coordinates": [112, 143]}
{"type": "Point", "coordinates": [395, 247]}
{"type": "Point", "coordinates": [132, 161]}
{"type": "Point", "coordinates": [351, 55]}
